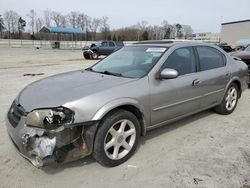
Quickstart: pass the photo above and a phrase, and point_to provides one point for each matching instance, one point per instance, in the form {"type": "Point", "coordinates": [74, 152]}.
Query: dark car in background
{"type": "Point", "coordinates": [226, 47]}
{"type": "Point", "coordinates": [244, 56]}
{"type": "Point", "coordinates": [103, 48]}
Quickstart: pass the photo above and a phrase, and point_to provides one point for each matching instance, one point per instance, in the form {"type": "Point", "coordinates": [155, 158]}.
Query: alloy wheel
{"type": "Point", "coordinates": [94, 55]}
{"type": "Point", "coordinates": [119, 139]}
{"type": "Point", "coordinates": [231, 98]}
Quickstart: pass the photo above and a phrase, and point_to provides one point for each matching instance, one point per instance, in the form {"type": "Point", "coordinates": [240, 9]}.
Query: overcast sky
{"type": "Point", "coordinates": [203, 16]}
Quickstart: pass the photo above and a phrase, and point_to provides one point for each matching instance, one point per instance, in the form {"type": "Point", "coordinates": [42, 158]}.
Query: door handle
{"type": "Point", "coordinates": [196, 82]}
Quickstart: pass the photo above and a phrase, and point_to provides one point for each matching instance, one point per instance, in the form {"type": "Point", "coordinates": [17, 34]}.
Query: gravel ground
{"type": "Point", "coordinates": [204, 150]}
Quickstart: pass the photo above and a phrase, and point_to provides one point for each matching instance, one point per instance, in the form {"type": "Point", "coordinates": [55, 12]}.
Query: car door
{"type": "Point", "coordinates": [214, 74]}
{"type": "Point", "coordinates": [111, 47]}
{"type": "Point", "coordinates": [104, 48]}
{"type": "Point", "coordinates": [173, 98]}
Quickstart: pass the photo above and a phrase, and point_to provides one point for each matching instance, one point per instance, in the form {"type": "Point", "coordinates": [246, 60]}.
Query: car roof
{"type": "Point", "coordinates": [165, 43]}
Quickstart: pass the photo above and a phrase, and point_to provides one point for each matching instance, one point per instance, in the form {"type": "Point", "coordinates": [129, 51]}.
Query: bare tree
{"type": "Point", "coordinates": [39, 24]}
{"type": "Point", "coordinates": [47, 17]}
{"type": "Point", "coordinates": [73, 18]}
{"type": "Point", "coordinates": [63, 21]}
{"type": "Point", "coordinates": [156, 32]}
{"type": "Point", "coordinates": [93, 26]}
{"type": "Point", "coordinates": [127, 33]}
{"type": "Point", "coordinates": [188, 31]}
{"type": "Point", "coordinates": [58, 18]}
{"type": "Point", "coordinates": [97, 27]}
{"type": "Point", "coordinates": [83, 21]}
{"type": "Point", "coordinates": [1, 25]}
{"type": "Point", "coordinates": [141, 27]}
{"type": "Point", "coordinates": [32, 17]}
{"type": "Point", "coordinates": [11, 21]}
{"type": "Point", "coordinates": [168, 31]}
{"type": "Point", "coordinates": [105, 29]}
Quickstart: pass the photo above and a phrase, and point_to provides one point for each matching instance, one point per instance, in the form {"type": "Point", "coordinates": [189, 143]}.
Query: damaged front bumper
{"type": "Point", "coordinates": [87, 52]}
{"type": "Point", "coordinates": [43, 147]}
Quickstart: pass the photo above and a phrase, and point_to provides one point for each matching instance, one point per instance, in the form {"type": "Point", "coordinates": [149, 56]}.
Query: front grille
{"type": "Point", "coordinates": [15, 113]}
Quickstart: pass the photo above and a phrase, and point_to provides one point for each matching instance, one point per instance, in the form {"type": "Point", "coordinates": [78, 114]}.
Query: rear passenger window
{"type": "Point", "coordinates": [111, 44]}
{"type": "Point", "coordinates": [210, 58]}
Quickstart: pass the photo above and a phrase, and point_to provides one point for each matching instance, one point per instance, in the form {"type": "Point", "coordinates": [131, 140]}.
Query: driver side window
{"type": "Point", "coordinates": [182, 60]}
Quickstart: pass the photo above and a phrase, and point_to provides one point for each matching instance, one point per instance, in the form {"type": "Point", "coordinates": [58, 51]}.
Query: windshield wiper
{"type": "Point", "coordinates": [105, 72]}
{"type": "Point", "coordinates": [89, 69]}
{"type": "Point", "coordinates": [111, 73]}
{"type": "Point", "coordinates": [92, 70]}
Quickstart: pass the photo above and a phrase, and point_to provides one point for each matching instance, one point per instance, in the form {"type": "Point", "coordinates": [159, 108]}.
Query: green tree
{"type": "Point", "coordinates": [144, 35]}
{"type": "Point", "coordinates": [114, 38]}
{"type": "Point", "coordinates": [21, 26]}
{"type": "Point", "coordinates": [167, 33]}
{"type": "Point", "coordinates": [179, 30]}
{"type": "Point", "coordinates": [119, 38]}
{"type": "Point", "coordinates": [109, 37]}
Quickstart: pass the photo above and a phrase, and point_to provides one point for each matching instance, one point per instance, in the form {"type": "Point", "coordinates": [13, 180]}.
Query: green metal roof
{"type": "Point", "coordinates": [62, 30]}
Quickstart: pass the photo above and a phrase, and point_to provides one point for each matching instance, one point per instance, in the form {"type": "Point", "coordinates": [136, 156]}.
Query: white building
{"type": "Point", "coordinates": [207, 37]}
{"type": "Point", "coordinates": [232, 32]}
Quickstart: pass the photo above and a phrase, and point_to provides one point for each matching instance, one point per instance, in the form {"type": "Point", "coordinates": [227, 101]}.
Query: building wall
{"type": "Point", "coordinates": [207, 37]}
{"type": "Point", "coordinates": [232, 32]}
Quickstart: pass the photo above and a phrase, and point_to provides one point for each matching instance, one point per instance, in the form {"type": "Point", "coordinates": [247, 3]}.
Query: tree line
{"type": "Point", "coordinates": [13, 26]}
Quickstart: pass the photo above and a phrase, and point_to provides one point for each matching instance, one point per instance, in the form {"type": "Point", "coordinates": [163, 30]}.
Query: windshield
{"type": "Point", "coordinates": [132, 61]}
{"type": "Point", "coordinates": [247, 48]}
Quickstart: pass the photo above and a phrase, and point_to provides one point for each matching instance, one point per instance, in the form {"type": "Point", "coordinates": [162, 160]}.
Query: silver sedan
{"type": "Point", "coordinates": [104, 110]}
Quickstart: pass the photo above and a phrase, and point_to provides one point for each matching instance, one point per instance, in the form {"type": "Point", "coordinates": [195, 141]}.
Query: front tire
{"type": "Point", "coordinates": [94, 55]}
{"type": "Point", "coordinates": [117, 138]}
{"type": "Point", "coordinates": [86, 56]}
{"type": "Point", "coordinates": [230, 100]}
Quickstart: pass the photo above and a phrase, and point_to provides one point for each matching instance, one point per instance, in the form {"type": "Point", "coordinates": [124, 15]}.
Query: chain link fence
{"type": "Point", "coordinates": [17, 43]}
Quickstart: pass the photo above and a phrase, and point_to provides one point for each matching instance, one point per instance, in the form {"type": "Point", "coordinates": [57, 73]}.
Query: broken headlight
{"type": "Point", "coordinates": [50, 118]}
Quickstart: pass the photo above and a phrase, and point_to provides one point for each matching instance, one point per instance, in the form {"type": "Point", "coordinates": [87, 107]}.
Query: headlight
{"type": "Point", "coordinates": [50, 118]}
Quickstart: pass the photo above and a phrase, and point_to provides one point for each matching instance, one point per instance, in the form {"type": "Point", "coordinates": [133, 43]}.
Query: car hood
{"type": "Point", "coordinates": [57, 90]}
{"type": "Point", "coordinates": [241, 54]}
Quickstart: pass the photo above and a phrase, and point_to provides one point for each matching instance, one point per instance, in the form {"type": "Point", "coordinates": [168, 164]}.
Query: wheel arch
{"type": "Point", "coordinates": [236, 81]}
{"type": "Point", "coordinates": [96, 50]}
{"type": "Point", "coordinates": [130, 105]}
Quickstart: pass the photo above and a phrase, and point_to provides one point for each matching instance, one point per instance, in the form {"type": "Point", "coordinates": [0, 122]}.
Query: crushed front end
{"type": "Point", "coordinates": [45, 136]}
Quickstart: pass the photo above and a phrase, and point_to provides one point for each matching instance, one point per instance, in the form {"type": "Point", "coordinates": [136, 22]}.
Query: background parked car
{"type": "Point", "coordinates": [244, 56]}
{"type": "Point", "coordinates": [226, 47]}
{"type": "Point", "coordinates": [103, 48]}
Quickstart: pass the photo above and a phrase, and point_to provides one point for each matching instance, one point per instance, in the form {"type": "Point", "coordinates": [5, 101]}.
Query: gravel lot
{"type": "Point", "coordinates": [204, 150]}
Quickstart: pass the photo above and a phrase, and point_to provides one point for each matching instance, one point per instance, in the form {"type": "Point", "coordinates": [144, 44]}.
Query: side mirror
{"type": "Point", "coordinates": [168, 74]}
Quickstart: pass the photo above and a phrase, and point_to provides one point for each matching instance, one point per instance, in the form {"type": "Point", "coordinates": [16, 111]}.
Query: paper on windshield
{"type": "Point", "coordinates": [159, 50]}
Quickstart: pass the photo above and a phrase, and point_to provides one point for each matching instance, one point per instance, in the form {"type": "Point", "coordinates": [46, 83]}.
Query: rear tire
{"type": "Point", "coordinates": [117, 138]}
{"type": "Point", "coordinates": [229, 101]}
